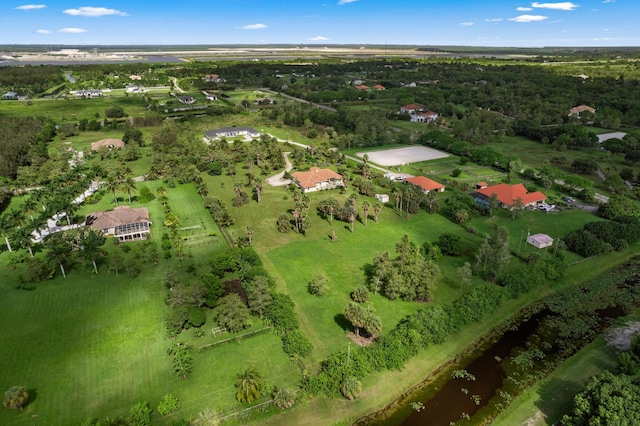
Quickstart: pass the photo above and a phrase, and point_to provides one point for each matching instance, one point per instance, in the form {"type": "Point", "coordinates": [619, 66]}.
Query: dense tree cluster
{"type": "Point", "coordinates": [408, 276]}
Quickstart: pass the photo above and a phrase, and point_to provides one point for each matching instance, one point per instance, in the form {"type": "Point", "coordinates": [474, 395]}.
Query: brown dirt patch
{"type": "Point", "coordinates": [360, 340]}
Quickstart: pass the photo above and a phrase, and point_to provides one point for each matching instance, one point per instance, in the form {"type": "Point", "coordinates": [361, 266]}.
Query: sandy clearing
{"type": "Point", "coordinates": [400, 156]}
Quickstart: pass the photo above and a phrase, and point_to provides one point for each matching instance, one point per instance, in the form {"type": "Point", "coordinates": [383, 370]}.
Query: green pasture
{"type": "Point", "coordinates": [71, 109]}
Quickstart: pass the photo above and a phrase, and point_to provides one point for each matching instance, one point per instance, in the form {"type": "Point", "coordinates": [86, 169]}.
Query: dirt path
{"type": "Point", "coordinates": [277, 180]}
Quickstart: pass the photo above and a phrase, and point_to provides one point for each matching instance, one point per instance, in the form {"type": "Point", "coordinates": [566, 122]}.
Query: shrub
{"type": "Point", "coordinates": [168, 405]}
{"type": "Point", "coordinates": [360, 294]}
{"type": "Point", "coordinates": [197, 317]}
{"type": "Point", "coordinates": [141, 414]}
{"type": "Point", "coordinates": [16, 397]}
{"type": "Point", "coordinates": [294, 342]}
{"type": "Point", "coordinates": [318, 286]}
{"type": "Point", "coordinates": [284, 397]}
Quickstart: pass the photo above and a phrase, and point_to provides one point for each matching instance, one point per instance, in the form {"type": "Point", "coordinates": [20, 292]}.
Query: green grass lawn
{"type": "Point", "coordinates": [71, 109]}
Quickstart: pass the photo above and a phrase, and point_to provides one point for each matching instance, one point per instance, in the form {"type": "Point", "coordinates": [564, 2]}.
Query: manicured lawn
{"type": "Point", "coordinates": [63, 110]}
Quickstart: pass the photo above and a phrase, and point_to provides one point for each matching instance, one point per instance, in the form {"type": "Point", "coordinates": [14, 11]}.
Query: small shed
{"type": "Point", "coordinates": [540, 240]}
{"type": "Point", "coordinates": [383, 198]}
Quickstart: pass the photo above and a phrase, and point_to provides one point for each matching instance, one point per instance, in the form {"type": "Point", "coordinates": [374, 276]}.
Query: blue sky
{"type": "Point", "coordinates": [423, 22]}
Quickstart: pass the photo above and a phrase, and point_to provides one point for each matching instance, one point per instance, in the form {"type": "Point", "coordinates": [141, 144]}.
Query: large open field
{"type": "Point", "coordinates": [401, 156]}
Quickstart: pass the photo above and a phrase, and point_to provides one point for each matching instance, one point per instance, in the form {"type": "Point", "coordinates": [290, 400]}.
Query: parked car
{"type": "Point", "coordinates": [568, 200]}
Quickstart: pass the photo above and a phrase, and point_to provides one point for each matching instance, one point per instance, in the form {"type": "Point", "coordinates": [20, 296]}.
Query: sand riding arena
{"type": "Point", "coordinates": [400, 156]}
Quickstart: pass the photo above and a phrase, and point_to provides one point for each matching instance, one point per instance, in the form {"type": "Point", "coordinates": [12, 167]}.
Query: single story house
{"type": "Point", "coordinates": [134, 88]}
{"type": "Point", "coordinates": [211, 96]}
{"type": "Point", "coordinates": [231, 132]}
{"type": "Point", "coordinates": [109, 143]}
{"type": "Point", "coordinates": [317, 179]}
{"type": "Point", "coordinates": [424, 117]}
{"type": "Point", "coordinates": [383, 198]}
{"type": "Point", "coordinates": [540, 240]}
{"type": "Point", "coordinates": [576, 111]}
{"type": "Point", "coordinates": [214, 78]}
{"type": "Point", "coordinates": [186, 100]}
{"type": "Point", "coordinates": [427, 185]}
{"type": "Point", "coordinates": [92, 93]}
{"type": "Point", "coordinates": [379, 87]}
{"type": "Point", "coordinates": [10, 95]}
{"type": "Point", "coordinates": [507, 195]}
{"type": "Point", "coordinates": [124, 223]}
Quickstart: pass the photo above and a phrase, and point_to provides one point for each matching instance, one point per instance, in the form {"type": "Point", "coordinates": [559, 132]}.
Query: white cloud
{"type": "Point", "coordinates": [493, 20]}
{"type": "Point", "coordinates": [72, 30]}
{"type": "Point", "coordinates": [466, 24]}
{"type": "Point", "coordinates": [93, 12]}
{"type": "Point", "coordinates": [524, 9]}
{"type": "Point", "coordinates": [343, 2]}
{"type": "Point", "coordinates": [528, 18]}
{"type": "Point", "coordinates": [608, 1]}
{"type": "Point", "coordinates": [565, 5]}
{"type": "Point", "coordinates": [31, 7]}
{"type": "Point", "coordinates": [43, 31]}
{"type": "Point", "coordinates": [319, 38]}
{"type": "Point", "coordinates": [252, 27]}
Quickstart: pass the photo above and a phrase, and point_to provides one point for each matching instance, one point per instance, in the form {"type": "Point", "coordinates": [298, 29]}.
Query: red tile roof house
{"type": "Point", "coordinates": [124, 223]}
{"type": "Point", "coordinates": [427, 185]}
{"type": "Point", "coordinates": [424, 117]}
{"type": "Point", "coordinates": [575, 111]}
{"type": "Point", "coordinates": [379, 87]}
{"type": "Point", "coordinates": [317, 179]}
{"type": "Point", "coordinates": [362, 87]}
{"type": "Point", "coordinates": [508, 194]}
{"type": "Point", "coordinates": [411, 108]}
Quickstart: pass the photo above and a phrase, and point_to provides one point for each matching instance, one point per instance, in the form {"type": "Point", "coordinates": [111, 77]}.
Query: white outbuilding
{"type": "Point", "coordinates": [540, 240]}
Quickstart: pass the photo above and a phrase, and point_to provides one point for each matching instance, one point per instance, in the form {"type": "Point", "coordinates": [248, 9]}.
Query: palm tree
{"type": "Point", "coordinates": [365, 209]}
{"type": "Point", "coordinates": [376, 210]}
{"type": "Point", "coordinates": [58, 251]}
{"type": "Point", "coordinates": [397, 194]}
{"type": "Point", "coordinates": [112, 185]}
{"type": "Point", "coordinates": [6, 225]}
{"type": "Point", "coordinates": [249, 384]}
{"type": "Point", "coordinates": [30, 205]}
{"type": "Point", "coordinates": [90, 240]}
{"type": "Point", "coordinates": [128, 186]}
{"type": "Point", "coordinates": [16, 217]}
{"type": "Point", "coordinates": [355, 314]}
{"type": "Point", "coordinates": [23, 237]}
{"type": "Point", "coordinates": [206, 417]}
{"type": "Point", "coordinates": [249, 230]}
{"type": "Point", "coordinates": [258, 189]}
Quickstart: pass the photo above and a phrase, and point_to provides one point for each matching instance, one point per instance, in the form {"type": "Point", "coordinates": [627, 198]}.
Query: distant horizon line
{"type": "Point", "coordinates": [387, 45]}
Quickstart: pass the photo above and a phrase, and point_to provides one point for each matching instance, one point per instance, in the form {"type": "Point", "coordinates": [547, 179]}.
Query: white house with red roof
{"type": "Point", "coordinates": [317, 179]}
{"type": "Point", "coordinates": [507, 195]}
{"type": "Point", "coordinates": [427, 185]}
{"type": "Point", "coordinates": [418, 113]}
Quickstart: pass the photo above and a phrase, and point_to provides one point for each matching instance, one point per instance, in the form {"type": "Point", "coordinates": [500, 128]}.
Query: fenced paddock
{"type": "Point", "coordinates": [401, 156]}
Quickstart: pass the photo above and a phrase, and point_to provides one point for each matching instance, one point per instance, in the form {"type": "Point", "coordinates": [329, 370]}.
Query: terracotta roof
{"type": "Point", "coordinates": [379, 87]}
{"type": "Point", "coordinates": [121, 215]}
{"type": "Point", "coordinates": [581, 108]}
{"type": "Point", "coordinates": [109, 143]}
{"type": "Point", "coordinates": [508, 194]}
{"type": "Point", "coordinates": [425, 183]}
{"type": "Point", "coordinates": [363, 87]}
{"type": "Point", "coordinates": [413, 106]}
{"type": "Point", "coordinates": [314, 176]}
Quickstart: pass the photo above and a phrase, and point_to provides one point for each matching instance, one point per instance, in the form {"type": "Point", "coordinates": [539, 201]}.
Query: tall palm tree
{"type": "Point", "coordinates": [258, 189]}
{"type": "Point", "coordinates": [249, 384]}
{"type": "Point", "coordinates": [249, 230]}
{"type": "Point", "coordinates": [16, 217]}
{"type": "Point", "coordinates": [58, 251]}
{"type": "Point", "coordinates": [30, 206]}
{"type": "Point", "coordinates": [376, 210]}
{"type": "Point", "coordinates": [6, 225]}
{"type": "Point", "coordinates": [128, 186]}
{"type": "Point", "coordinates": [90, 242]}
{"type": "Point", "coordinates": [113, 185]}
{"type": "Point", "coordinates": [365, 209]}
{"type": "Point", "coordinates": [356, 315]}
{"type": "Point", "coordinates": [23, 238]}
